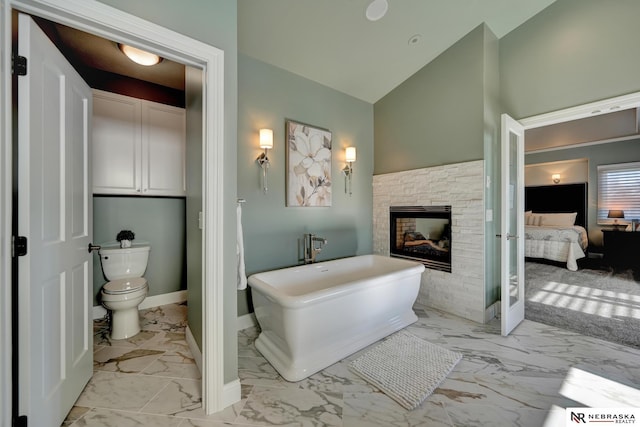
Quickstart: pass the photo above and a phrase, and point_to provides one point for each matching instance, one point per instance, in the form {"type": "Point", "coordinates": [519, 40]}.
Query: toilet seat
{"type": "Point", "coordinates": [124, 286]}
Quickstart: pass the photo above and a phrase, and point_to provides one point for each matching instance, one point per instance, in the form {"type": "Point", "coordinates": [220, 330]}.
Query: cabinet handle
{"type": "Point", "coordinates": [138, 190]}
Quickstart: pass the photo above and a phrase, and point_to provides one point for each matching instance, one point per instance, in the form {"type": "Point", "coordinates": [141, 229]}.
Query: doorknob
{"type": "Point", "coordinates": [93, 247]}
{"type": "Point", "coordinates": [509, 236]}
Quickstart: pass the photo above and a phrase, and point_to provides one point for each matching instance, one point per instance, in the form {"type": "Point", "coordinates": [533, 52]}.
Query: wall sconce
{"type": "Point", "coordinates": [556, 178]}
{"type": "Point", "coordinates": [266, 142]}
{"type": "Point", "coordinates": [350, 157]}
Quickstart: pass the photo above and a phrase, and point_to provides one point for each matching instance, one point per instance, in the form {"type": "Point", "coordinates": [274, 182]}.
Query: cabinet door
{"type": "Point", "coordinates": [116, 144]}
{"type": "Point", "coordinates": [163, 147]}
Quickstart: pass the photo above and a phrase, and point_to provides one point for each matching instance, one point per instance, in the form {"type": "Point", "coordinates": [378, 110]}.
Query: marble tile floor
{"type": "Point", "coordinates": [526, 379]}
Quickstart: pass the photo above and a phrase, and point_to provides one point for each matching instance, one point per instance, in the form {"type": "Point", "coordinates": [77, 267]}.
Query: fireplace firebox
{"type": "Point", "coordinates": [422, 233]}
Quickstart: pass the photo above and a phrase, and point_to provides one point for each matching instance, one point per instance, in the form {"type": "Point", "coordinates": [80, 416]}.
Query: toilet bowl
{"type": "Point", "coordinates": [126, 288]}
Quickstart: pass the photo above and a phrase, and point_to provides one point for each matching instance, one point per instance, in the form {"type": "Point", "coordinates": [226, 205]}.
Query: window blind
{"type": "Point", "coordinates": [619, 189]}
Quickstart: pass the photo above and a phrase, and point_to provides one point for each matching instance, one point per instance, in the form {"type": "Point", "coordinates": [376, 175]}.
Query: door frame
{"type": "Point", "coordinates": [604, 106]}
{"type": "Point", "coordinates": [596, 108]}
{"type": "Point", "coordinates": [114, 24]}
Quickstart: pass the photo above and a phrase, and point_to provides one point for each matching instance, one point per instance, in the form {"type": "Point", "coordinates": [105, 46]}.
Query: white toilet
{"type": "Point", "coordinates": [126, 288]}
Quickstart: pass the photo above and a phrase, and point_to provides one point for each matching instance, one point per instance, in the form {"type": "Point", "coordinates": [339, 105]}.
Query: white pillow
{"type": "Point", "coordinates": [558, 219]}
{"type": "Point", "coordinates": [536, 219]}
{"type": "Point", "coordinates": [531, 219]}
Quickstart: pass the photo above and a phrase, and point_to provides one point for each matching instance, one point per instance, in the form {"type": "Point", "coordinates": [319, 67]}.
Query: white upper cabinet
{"type": "Point", "coordinates": [138, 146]}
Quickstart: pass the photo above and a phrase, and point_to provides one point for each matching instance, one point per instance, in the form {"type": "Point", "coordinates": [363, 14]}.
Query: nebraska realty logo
{"type": "Point", "coordinates": [602, 416]}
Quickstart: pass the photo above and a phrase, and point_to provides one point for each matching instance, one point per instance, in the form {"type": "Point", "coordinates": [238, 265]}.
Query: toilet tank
{"type": "Point", "coordinates": [118, 263]}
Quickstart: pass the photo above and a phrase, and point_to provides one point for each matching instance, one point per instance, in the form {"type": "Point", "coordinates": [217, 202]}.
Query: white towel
{"type": "Point", "coordinates": [242, 277]}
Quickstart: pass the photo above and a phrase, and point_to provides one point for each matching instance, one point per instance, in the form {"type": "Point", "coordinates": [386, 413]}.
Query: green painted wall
{"type": "Point", "coordinates": [449, 112]}
{"type": "Point", "coordinates": [268, 95]}
{"type": "Point", "coordinates": [194, 110]}
{"type": "Point", "coordinates": [436, 116]}
{"type": "Point", "coordinates": [214, 23]}
{"type": "Point", "coordinates": [571, 53]}
{"type": "Point", "coordinates": [491, 133]}
{"type": "Point", "coordinates": [164, 230]}
{"type": "Point", "coordinates": [603, 154]}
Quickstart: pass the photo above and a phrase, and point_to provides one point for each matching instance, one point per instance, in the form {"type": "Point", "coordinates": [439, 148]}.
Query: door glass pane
{"type": "Point", "coordinates": [512, 229]}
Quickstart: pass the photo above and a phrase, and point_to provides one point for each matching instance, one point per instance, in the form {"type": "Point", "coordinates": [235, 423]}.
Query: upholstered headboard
{"type": "Point", "coordinates": [558, 198]}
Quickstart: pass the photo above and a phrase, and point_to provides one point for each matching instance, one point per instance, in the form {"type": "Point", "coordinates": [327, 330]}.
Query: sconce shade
{"type": "Point", "coordinates": [266, 138]}
{"type": "Point", "coordinates": [350, 154]}
{"type": "Point", "coordinates": [139, 56]}
{"type": "Point", "coordinates": [615, 214]}
{"type": "Point", "coordinates": [555, 177]}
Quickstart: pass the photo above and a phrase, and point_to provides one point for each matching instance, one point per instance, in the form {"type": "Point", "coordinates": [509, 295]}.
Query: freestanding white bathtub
{"type": "Point", "coordinates": [314, 315]}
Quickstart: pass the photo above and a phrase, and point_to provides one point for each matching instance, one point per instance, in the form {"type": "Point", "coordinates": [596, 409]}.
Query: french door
{"type": "Point", "coordinates": [512, 224]}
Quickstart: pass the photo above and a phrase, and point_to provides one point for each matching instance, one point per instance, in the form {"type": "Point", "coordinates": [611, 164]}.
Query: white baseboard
{"type": "Point", "coordinates": [492, 311]}
{"type": "Point", "coordinates": [149, 302]}
{"type": "Point", "coordinates": [231, 393]}
{"type": "Point", "coordinates": [163, 299]}
{"type": "Point", "coordinates": [99, 312]}
{"type": "Point", "coordinates": [246, 321]}
{"type": "Point", "coordinates": [193, 346]}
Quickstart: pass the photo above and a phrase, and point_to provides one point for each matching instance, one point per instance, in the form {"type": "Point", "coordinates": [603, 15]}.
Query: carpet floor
{"type": "Point", "coordinates": [594, 301]}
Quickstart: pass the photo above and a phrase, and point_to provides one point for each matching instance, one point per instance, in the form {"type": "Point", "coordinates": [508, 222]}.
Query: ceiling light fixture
{"type": "Point", "coordinates": [139, 56]}
{"type": "Point", "coordinates": [376, 9]}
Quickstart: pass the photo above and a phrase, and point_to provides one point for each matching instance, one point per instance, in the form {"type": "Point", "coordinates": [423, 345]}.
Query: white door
{"type": "Point", "coordinates": [512, 225]}
{"type": "Point", "coordinates": [55, 214]}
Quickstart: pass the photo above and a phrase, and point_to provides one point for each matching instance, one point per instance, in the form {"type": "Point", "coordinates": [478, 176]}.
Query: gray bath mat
{"type": "Point", "coordinates": [406, 368]}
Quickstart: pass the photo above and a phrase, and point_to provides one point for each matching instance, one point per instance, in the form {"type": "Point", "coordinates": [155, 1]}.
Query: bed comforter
{"type": "Point", "coordinates": [563, 244]}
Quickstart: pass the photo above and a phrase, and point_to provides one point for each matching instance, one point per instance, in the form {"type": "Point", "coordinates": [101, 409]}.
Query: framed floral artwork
{"type": "Point", "coordinates": [308, 165]}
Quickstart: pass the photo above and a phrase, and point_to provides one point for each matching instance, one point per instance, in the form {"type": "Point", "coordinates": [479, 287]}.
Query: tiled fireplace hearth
{"type": "Point", "coordinates": [460, 186]}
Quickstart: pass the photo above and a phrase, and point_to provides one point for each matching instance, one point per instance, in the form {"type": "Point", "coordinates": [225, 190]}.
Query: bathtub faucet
{"type": "Point", "coordinates": [310, 247]}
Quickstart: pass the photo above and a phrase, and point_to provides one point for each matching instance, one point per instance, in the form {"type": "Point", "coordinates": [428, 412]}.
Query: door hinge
{"type": "Point", "coordinates": [21, 421]}
{"type": "Point", "coordinates": [19, 246]}
{"type": "Point", "coordinates": [19, 65]}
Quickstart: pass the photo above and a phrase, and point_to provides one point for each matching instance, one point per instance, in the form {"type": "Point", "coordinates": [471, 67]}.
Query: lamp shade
{"type": "Point", "coordinates": [266, 138]}
{"type": "Point", "coordinates": [350, 154]}
{"type": "Point", "coordinates": [615, 214]}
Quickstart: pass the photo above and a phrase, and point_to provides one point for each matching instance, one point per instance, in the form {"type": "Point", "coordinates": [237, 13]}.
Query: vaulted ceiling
{"type": "Point", "coordinates": [332, 42]}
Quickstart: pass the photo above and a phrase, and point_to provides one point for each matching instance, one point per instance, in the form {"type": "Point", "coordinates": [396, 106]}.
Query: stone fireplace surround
{"type": "Point", "coordinates": [460, 185]}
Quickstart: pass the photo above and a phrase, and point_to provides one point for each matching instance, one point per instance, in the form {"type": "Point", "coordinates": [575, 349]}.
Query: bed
{"type": "Point", "coordinates": [555, 223]}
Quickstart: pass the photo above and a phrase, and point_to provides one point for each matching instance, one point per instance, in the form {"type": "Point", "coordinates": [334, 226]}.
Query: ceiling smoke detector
{"type": "Point", "coordinates": [376, 9]}
{"type": "Point", "coordinates": [414, 39]}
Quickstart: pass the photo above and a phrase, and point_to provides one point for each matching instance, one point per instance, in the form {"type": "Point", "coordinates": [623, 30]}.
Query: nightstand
{"type": "Point", "coordinates": [621, 248]}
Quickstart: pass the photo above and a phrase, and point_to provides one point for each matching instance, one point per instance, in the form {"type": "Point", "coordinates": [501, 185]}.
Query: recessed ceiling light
{"type": "Point", "coordinates": [414, 39]}
{"type": "Point", "coordinates": [139, 56]}
{"type": "Point", "coordinates": [376, 9]}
